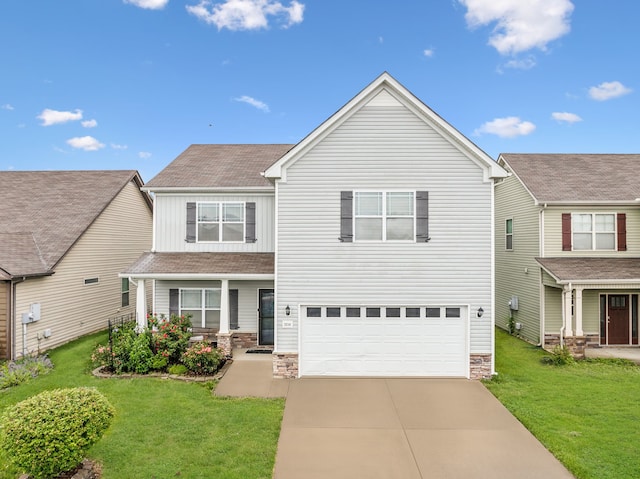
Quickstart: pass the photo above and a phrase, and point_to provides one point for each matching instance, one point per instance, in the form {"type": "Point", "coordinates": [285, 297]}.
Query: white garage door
{"type": "Point", "coordinates": [384, 341]}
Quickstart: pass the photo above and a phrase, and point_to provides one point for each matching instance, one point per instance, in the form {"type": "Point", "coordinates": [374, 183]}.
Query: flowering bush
{"type": "Point", "coordinates": [170, 338]}
{"type": "Point", "coordinates": [202, 358]}
{"type": "Point", "coordinates": [13, 373]}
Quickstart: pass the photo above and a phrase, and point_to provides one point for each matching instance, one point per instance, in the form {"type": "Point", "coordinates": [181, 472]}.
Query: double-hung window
{"type": "Point", "coordinates": [203, 305]}
{"type": "Point", "coordinates": [220, 222]}
{"type": "Point", "coordinates": [593, 231]}
{"type": "Point", "coordinates": [508, 236]}
{"type": "Point", "coordinates": [384, 216]}
{"type": "Point", "coordinates": [124, 287]}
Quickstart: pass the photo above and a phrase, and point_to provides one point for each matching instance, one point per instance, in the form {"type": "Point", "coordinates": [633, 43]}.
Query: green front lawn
{"type": "Point", "coordinates": [165, 428]}
{"type": "Point", "coordinates": [587, 414]}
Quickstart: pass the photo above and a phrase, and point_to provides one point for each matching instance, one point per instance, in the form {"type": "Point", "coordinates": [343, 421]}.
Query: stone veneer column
{"type": "Point", "coordinates": [224, 343]}
{"type": "Point", "coordinates": [480, 366]}
{"type": "Point", "coordinates": [285, 365]}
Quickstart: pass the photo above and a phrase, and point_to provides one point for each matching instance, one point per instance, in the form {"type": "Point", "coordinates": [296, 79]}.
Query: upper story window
{"type": "Point", "coordinates": [508, 234]}
{"type": "Point", "coordinates": [384, 216]}
{"type": "Point", "coordinates": [593, 231]}
{"type": "Point", "coordinates": [218, 222]}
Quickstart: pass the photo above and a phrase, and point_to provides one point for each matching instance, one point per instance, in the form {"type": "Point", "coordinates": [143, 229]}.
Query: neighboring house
{"type": "Point", "coordinates": [64, 237]}
{"type": "Point", "coordinates": [568, 249]}
{"type": "Point", "coordinates": [364, 250]}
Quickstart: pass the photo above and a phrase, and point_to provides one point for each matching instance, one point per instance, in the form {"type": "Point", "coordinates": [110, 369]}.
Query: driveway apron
{"type": "Point", "coordinates": [405, 428]}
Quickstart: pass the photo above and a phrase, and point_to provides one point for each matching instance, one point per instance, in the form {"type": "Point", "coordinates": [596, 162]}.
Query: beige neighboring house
{"type": "Point", "coordinates": [568, 249]}
{"type": "Point", "coordinates": [64, 237]}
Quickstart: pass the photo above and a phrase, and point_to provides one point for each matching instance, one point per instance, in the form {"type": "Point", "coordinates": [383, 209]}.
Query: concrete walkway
{"type": "Point", "coordinates": [632, 353]}
{"type": "Point", "coordinates": [405, 428]}
{"type": "Point", "coordinates": [391, 428]}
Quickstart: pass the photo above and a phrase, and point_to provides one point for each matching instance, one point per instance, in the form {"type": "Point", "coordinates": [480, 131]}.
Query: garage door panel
{"type": "Point", "coordinates": [385, 346]}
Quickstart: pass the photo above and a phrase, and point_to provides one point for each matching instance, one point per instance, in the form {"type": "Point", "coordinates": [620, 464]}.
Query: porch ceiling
{"type": "Point", "coordinates": [593, 270]}
{"type": "Point", "coordinates": [202, 264]}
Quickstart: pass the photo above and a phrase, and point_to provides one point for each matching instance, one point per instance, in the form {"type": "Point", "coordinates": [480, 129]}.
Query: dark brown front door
{"type": "Point", "coordinates": [265, 317]}
{"type": "Point", "coordinates": [618, 324]}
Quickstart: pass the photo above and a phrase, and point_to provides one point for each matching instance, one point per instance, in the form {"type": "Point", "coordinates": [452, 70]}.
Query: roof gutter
{"type": "Point", "coordinates": [201, 277]}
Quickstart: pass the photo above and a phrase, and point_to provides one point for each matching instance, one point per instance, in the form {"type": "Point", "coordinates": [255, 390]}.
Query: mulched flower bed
{"type": "Point", "coordinates": [103, 372]}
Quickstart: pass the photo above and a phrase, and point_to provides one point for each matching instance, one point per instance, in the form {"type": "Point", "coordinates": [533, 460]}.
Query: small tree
{"type": "Point", "coordinates": [51, 432]}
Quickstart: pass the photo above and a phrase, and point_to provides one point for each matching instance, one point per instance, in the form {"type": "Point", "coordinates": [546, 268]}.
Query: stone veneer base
{"type": "Point", "coordinates": [480, 366]}
{"type": "Point", "coordinates": [285, 365]}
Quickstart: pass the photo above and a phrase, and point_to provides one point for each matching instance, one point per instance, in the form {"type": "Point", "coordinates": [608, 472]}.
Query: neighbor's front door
{"type": "Point", "coordinates": [265, 317]}
{"type": "Point", "coordinates": [618, 324]}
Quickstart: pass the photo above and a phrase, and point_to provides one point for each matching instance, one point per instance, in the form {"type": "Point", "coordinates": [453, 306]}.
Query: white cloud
{"type": "Point", "coordinates": [429, 52]}
{"type": "Point", "coordinates": [521, 64]}
{"type": "Point", "coordinates": [118, 147]}
{"type": "Point", "coordinates": [520, 24]}
{"type": "Point", "coordinates": [508, 127]}
{"type": "Point", "coordinates": [148, 4]}
{"type": "Point", "coordinates": [54, 117]}
{"type": "Point", "coordinates": [247, 14]}
{"type": "Point", "coordinates": [608, 90]}
{"type": "Point", "coordinates": [566, 117]}
{"type": "Point", "coordinates": [86, 143]}
{"type": "Point", "coordinates": [89, 123]}
{"type": "Point", "coordinates": [6, 106]}
{"type": "Point", "coordinates": [260, 105]}
{"type": "Point", "coordinates": [144, 155]}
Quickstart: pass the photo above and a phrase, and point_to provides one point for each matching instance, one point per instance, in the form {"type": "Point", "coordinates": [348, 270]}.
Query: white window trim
{"type": "Point", "coordinates": [593, 230]}
{"type": "Point", "coordinates": [384, 239]}
{"type": "Point", "coordinates": [506, 235]}
{"type": "Point", "coordinates": [220, 222]}
{"type": "Point", "coordinates": [203, 308]}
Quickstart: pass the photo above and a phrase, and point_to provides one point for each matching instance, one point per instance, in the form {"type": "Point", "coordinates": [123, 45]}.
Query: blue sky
{"type": "Point", "coordinates": [129, 84]}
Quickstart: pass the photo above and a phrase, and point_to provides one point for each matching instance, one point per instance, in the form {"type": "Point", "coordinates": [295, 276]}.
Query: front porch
{"type": "Point", "coordinates": [591, 303]}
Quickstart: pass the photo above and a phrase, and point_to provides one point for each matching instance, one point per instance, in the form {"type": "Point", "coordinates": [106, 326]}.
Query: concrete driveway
{"type": "Point", "coordinates": [405, 428]}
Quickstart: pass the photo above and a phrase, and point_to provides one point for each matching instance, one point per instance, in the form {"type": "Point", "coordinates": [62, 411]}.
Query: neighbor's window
{"type": "Point", "coordinates": [384, 216]}
{"type": "Point", "coordinates": [203, 305]}
{"type": "Point", "coordinates": [91, 280]}
{"type": "Point", "coordinates": [593, 231]}
{"type": "Point", "coordinates": [220, 222]}
{"type": "Point", "coordinates": [508, 237]}
{"type": "Point", "coordinates": [125, 292]}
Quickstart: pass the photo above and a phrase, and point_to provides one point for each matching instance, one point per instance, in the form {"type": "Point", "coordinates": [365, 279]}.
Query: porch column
{"type": "Point", "coordinates": [141, 304]}
{"type": "Point", "coordinates": [578, 307]}
{"type": "Point", "coordinates": [568, 331]}
{"type": "Point", "coordinates": [224, 306]}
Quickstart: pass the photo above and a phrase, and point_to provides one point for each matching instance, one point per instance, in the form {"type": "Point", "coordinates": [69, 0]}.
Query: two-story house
{"type": "Point", "coordinates": [568, 249]}
{"type": "Point", "coordinates": [364, 250]}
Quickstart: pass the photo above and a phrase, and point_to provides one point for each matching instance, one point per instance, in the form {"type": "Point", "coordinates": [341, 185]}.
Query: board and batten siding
{"type": "Point", "coordinates": [384, 147]}
{"type": "Point", "coordinates": [171, 223]}
{"type": "Point", "coordinates": [70, 308]}
{"type": "Point", "coordinates": [517, 271]}
{"type": "Point", "coordinates": [553, 231]}
{"type": "Point", "coordinates": [247, 298]}
{"type": "Point", "coordinates": [5, 314]}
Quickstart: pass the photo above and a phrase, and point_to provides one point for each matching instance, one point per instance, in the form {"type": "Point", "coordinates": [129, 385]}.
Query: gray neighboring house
{"type": "Point", "coordinates": [568, 249]}
{"type": "Point", "coordinates": [64, 237]}
{"type": "Point", "coordinates": [364, 250]}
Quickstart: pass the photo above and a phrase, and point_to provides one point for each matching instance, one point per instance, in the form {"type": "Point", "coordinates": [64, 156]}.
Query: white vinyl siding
{"type": "Point", "coordinates": [171, 220]}
{"type": "Point", "coordinates": [517, 271]}
{"type": "Point", "coordinates": [384, 148]}
{"type": "Point", "coordinates": [553, 231]}
{"type": "Point", "coordinates": [70, 308]}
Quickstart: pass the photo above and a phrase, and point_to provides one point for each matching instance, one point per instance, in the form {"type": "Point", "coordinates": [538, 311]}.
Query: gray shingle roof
{"type": "Point", "coordinates": [592, 269]}
{"type": "Point", "coordinates": [43, 213]}
{"type": "Point", "coordinates": [203, 263]}
{"type": "Point", "coordinates": [219, 166]}
{"type": "Point", "coordinates": [570, 178]}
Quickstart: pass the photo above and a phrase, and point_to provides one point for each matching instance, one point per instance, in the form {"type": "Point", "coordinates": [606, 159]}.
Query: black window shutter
{"type": "Point", "coordinates": [422, 216]}
{"type": "Point", "coordinates": [566, 231]}
{"type": "Point", "coordinates": [346, 216]}
{"type": "Point", "coordinates": [250, 222]}
{"type": "Point", "coordinates": [174, 302]}
{"type": "Point", "coordinates": [191, 223]}
{"type": "Point", "coordinates": [233, 309]}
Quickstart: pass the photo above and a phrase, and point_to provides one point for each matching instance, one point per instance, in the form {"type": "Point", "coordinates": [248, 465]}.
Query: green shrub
{"type": "Point", "coordinates": [140, 356]}
{"type": "Point", "coordinates": [13, 373]}
{"type": "Point", "coordinates": [51, 432]}
{"type": "Point", "coordinates": [202, 358]}
{"type": "Point", "coordinates": [560, 356]}
{"type": "Point", "coordinates": [159, 363]}
{"type": "Point", "coordinates": [178, 369]}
